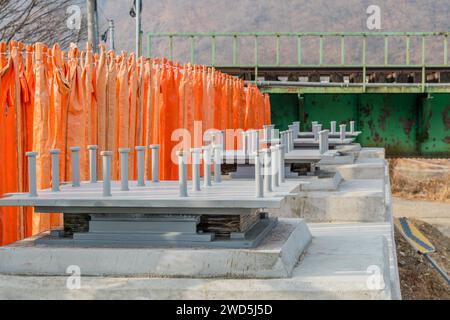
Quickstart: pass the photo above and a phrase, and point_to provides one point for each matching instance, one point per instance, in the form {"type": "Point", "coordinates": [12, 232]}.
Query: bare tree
{"type": "Point", "coordinates": [45, 21]}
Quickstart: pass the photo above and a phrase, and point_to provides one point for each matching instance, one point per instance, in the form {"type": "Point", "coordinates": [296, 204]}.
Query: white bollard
{"type": "Point", "coordinates": [106, 173]}
{"type": "Point", "coordinates": [32, 187]}
{"type": "Point", "coordinates": [55, 169]}
{"type": "Point", "coordinates": [352, 126]}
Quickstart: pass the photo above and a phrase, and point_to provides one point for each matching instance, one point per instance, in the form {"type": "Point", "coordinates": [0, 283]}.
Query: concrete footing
{"type": "Point", "coordinates": [343, 262]}
{"type": "Point", "coordinates": [275, 257]}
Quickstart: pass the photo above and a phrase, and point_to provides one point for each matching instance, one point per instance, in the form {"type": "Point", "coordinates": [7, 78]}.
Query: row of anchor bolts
{"type": "Point", "coordinates": [106, 161]}
{"type": "Point", "coordinates": [269, 163]}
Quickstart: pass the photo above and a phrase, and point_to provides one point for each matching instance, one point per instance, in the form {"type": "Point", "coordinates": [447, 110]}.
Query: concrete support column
{"type": "Point", "coordinates": [32, 188]}
{"type": "Point", "coordinates": [196, 152]}
{"type": "Point", "coordinates": [155, 162]}
{"type": "Point", "coordinates": [92, 149]}
{"type": "Point", "coordinates": [75, 166]}
{"type": "Point", "coordinates": [259, 190]}
{"type": "Point", "coordinates": [124, 152]}
{"type": "Point", "coordinates": [313, 123]}
{"type": "Point", "coordinates": [55, 169]}
{"type": "Point", "coordinates": [140, 165]}
{"type": "Point", "coordinates": [182, 179]}
{"type": "Point", "coordinates": [106, 173]}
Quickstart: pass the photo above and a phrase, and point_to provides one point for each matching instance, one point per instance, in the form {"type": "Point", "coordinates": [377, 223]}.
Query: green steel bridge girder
{"type": "Point", "coordinates": [412, 124]}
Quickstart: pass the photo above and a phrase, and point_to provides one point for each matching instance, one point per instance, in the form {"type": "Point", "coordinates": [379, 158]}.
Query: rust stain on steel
{"type": "Point", "coordinates": [384, 115]}
{"type": "Point", "coordinates": [446, 117]}
{"type": "Point", "coordinates": [407, 124]}
{"type": "Point", "coordinates": [447, 139]}
{"type": "Point", "coordinates": [375, 136]}
{"type": "Point", "coordinates": [366, 110]}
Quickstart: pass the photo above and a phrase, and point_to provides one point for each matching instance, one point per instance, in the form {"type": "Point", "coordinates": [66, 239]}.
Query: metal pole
{"type": "Point", "coordinates": [92, 163]}
{"type": "Point", "coordinates": [124, 168]}
{"type": "Point", "coordinates": [352, 126]}
{"type": "Point", "coordinates": [91, 6]}
{"type": "Point", "coordinates": [106, 173]}
{"type": "Point", "coordinates": [281, 174]}
{"type": "Point", "coordinates": [267, 171]}
{"type": "Point", "coordinates": [207, 165]}
{"type": "Point", "coordinates": [111, 35]}
{"type": "Point", "coordinates": [140, 165]}
{"type": "Point", "coordinates": [438, 268]}
{"type": "Point", "coordinates": [217, 163]}
{"type": "Point", "coordinates": [259, 190]}
{"type": "Point", "coordinates": [342, 131]}
{"type": "Point", "coordinates": [182, 174]}
{"type": "Point", "coordinates": [75, 166]}
{"type": "Point", "coordinates": [138, 28]}
{"type": "Point", "coordinates": [55, 169]}
{"type": "Point", "coordinates": [196, 168]}
{"type": "Point", "coordinates": [274, 166]}
{"type": "Point", "coordinates": [32, 173]}
{"type": "Point", "coordinates": [333, 126]}
{"type": "Point", "coordinates": [323, 141]}
{"type": "Point", "coordinates": [155, 164]}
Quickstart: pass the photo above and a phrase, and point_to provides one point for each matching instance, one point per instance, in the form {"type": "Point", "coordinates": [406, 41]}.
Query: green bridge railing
{"type": "Point", "coordinates": [364, 37]}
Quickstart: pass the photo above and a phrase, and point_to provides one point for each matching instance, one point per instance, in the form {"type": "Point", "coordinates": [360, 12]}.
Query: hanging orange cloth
{"type": "Point", "coordinates": [76, 117]}
{"type": "Point", "coordinates": [133, 87]}
{"type": "Point", "coordinates": [147, 113]}
{"type": "Point", "coordinates": [112, 112]}
{"type": "Point", "coordinates": [101, 98]}
{"type": "Point", "coordinates": [42, 129]}
{"type": "Point", "coordinates": [267, 111]}
{"type": "Point", "coordinates": [123, 104]}
{"type": "Point", "coordinates": [9, 218]}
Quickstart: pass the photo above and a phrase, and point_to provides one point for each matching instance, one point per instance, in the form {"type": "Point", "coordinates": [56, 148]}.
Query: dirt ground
{"type": "Point", "coordinates": [426, 180]}
{"type": "Point", "coordinates": [420, 179]}
{"type": "Point", "coordinates": [418, 280]}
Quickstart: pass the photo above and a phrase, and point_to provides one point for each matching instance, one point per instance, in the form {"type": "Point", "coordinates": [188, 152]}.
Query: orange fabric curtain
{"type": "Point", "coordinates": [50, 99]}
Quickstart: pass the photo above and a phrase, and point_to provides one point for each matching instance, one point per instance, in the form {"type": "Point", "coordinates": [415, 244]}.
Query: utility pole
{"type": "Point", "coordinates": [91, 6]}
{"type": "Point", "coordinates": [138, 28]}
{"type": "Point", "coordinates": [111, 35]}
